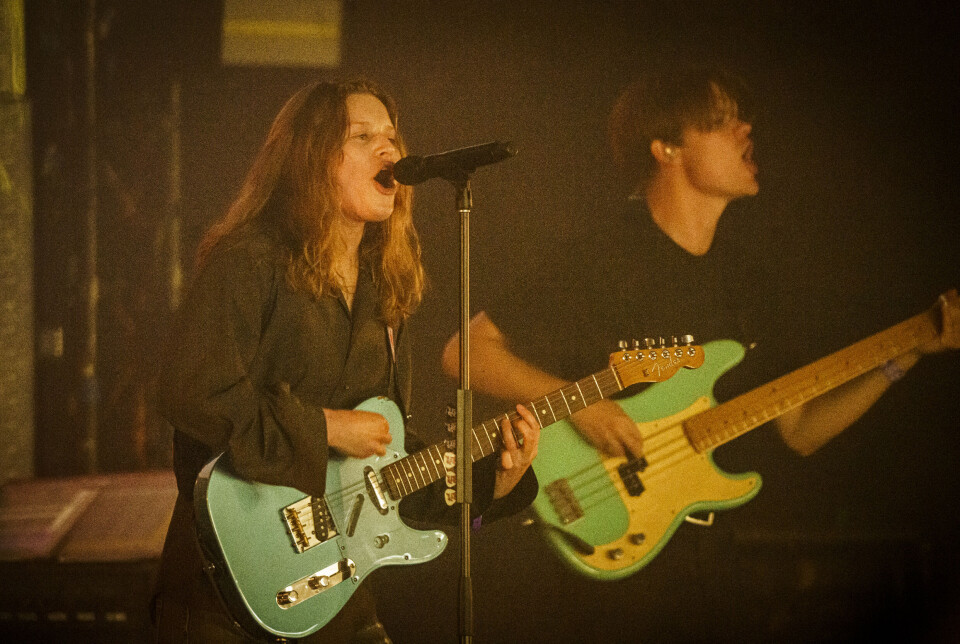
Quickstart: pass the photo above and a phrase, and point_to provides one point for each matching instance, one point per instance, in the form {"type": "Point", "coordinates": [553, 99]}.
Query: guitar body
{"type": "Point", "coordinates": [585, 500]}
{"type": "Point", "coordinates": [244, 529]}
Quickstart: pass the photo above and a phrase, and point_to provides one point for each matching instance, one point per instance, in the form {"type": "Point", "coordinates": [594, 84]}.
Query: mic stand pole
{"type": "Point", "coordinates": [464, 468]}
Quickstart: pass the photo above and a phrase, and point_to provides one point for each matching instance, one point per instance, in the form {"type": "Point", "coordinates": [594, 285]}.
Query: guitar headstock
{"type": "Point", "coordinates": [653, 361]}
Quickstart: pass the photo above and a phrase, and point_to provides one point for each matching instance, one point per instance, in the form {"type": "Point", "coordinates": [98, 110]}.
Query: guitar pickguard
{"type": "Point", "coordinates": [284, 579]}
{"type": "Point", "coordinates": [621, 524]}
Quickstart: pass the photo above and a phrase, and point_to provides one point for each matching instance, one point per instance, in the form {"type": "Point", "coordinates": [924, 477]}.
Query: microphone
{"type": "Point", "coordinates": [454, 165]}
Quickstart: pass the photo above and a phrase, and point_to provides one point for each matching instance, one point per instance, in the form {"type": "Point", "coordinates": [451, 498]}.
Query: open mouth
{"type": "Point", "coordinates": [385, 178]}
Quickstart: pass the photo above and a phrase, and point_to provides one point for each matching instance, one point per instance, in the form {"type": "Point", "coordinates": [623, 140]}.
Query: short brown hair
{"type": "Point", "coordinates": [662, 105]}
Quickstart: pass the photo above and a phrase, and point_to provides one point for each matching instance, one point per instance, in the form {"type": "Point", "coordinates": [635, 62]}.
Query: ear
{"type": "Point", "coordinates": [663, 152]}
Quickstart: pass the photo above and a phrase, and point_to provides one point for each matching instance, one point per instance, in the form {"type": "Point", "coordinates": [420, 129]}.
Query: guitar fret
{"type": "Point", "coordinates": [423, 469]}
{"type": "Point", "coordinates": [537, 414]}
{"type": "Point", "coordinates": [408, 474]}
{"type": "Point", "coordinates": [476, 439]}
{"type": "Point", "coordinates": [550, 408]}
{"type": "Point", "coordinates": [583, 402]}
{"type": "Point", "coordinates": [563, 396]}
{"type": "Point", "coordinates": [599, 390]}
{"type": "Point", "coordinates": [415, 470]}
{"type": "Point", "coordinates": [767, 402]}
{"type": "Point", "coordinates": [437, 461]}
{"type": "Point", "coordinates": [401, 480]}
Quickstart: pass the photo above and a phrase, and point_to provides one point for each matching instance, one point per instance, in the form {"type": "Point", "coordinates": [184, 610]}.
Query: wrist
{"type": "Point", "coordinates": [896, 368]}
{"type": "Point", "coordinates": [892, 371]}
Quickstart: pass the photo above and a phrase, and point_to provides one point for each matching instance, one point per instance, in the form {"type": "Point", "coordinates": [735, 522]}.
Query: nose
{"type": "Point", "coordinates": [387, 148]}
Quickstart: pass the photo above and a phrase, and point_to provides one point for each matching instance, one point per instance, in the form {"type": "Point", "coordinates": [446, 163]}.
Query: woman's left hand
{"type": "Point", "coordinates": [514, 458]}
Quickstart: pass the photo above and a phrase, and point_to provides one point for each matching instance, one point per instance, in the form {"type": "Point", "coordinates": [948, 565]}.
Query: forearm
{"type": "Point", "coordinates": [495, 369]}
{"type": "Point", "coordinates": [815, 423]}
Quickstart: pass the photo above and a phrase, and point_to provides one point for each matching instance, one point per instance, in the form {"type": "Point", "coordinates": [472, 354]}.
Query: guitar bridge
{"type": "Point", "coordinates": [315, 583]}
{"type": "Point", "coordinates": [564, 501]}
{"type": "Point", "coordinates": [309, 522]}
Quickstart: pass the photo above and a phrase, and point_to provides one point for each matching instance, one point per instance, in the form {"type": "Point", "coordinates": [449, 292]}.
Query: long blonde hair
{"type": "Point", "coordinates": [292, 188]}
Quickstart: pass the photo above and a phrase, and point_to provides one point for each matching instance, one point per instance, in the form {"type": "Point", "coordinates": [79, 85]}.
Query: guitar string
{"type": "Point", "coordinates": [606, 379]}
{"type": "Point", "coordinates": [838, 373]}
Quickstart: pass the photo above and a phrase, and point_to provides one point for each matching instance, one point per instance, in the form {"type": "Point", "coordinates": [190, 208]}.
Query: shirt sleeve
{"type": "Point", "coordinates": [206, 388]}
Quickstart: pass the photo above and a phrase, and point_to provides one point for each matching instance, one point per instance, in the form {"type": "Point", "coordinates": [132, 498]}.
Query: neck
{"type": "Point", "coordinates": [686, 216]}
{"type": "Point", "coordinates": [346, 263]}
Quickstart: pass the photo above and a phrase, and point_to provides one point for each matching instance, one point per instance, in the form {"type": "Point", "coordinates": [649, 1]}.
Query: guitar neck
{"type": "Point", "coordinates": [725, 422]}
{"type": "Point", "coordinates": [418, 470]}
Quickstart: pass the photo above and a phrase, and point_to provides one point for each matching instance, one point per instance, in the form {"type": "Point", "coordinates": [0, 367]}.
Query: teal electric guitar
{"type": "Point", "coordinates": [287, 563]}
{"type": "Point", "coordinates": [609, 517]}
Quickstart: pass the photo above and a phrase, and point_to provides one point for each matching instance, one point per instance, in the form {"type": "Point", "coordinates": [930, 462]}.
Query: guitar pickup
{"type": "Point", "coordinates": [314, 584]}
{"type": "Point", "coordinates": [629, 471]}
{"type": "Point", "coordinates": [309, 522]}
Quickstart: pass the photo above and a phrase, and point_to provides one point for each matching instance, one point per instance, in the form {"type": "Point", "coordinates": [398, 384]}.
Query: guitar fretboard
{"type": "Point", "coordinates": [725, 422]}
{"type": "Point", "coordinates": [419, 470]}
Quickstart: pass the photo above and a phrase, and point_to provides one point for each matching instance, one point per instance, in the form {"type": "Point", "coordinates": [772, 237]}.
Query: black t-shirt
{"type": "Point", "coordinates": [624, 279]}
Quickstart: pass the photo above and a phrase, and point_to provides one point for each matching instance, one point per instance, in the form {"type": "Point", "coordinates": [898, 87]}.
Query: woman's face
{"type": "Point", "coordinates": [365, 174]}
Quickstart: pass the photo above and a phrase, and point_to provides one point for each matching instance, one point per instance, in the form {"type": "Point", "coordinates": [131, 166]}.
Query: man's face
{"type": "Point", "coordinates": [719, 162]}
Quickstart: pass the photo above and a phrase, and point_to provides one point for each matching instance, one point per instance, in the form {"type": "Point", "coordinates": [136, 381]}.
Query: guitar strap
{"type": "Point", "coordinates": [393, 386]}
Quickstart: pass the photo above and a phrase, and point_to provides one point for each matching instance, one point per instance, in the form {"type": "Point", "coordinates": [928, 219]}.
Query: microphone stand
{"type": "Point", "coordinates": [457, 169]}
{"type": "Point", "coordinates": [464, 468]}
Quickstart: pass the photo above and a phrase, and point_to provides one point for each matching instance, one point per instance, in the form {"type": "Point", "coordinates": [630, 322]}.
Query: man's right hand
{"type": "Point", "coordinates": [608, 428]}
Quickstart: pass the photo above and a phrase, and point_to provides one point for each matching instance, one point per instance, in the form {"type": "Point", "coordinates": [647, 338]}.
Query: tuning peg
{"type": "Point", "coordinates": [636, 343]}
{"type": "Point", "coordinates": [451, 411]}
{"type": "Point", "coordinates": [622, 344]}
{"type": "Point", "coordinates": [649, 342]}
{"type": "Point", "coordinates": [673, 339]}
{"type": "Point", "coordinates": [686, 339]}
{"type": "Point", "coordinates": [663, 342]}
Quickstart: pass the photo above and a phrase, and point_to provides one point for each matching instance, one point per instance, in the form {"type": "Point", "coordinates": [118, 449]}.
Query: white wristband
{"type": "Point", "coordinates": [892, 370]}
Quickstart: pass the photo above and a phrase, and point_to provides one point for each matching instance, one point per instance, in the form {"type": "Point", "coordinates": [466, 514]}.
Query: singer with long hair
{"type": "Point", "coordinates": [298, 312]}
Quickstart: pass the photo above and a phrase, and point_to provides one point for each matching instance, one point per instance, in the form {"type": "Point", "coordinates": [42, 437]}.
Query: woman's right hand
{"type": "Point", "coordinates": [357, 433]}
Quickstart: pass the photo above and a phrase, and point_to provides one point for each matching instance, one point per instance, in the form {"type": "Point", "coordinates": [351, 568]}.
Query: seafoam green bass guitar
{"type": "Point", "coordinates": [287, 563]}
{"type": "Point", "coordinates": [609, 517]}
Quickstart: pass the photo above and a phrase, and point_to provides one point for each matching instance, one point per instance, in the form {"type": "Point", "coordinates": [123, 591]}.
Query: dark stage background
{"type": "Point", "coordinates": [855, 223]}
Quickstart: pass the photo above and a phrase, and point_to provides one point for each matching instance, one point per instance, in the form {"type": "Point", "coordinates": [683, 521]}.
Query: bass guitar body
{"type": "Point", "coordinates": [609, 517]}
{"type": "Point", "coordinates": [286, 562]}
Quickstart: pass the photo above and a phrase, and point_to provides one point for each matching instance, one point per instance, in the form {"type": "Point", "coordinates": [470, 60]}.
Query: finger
{"type": "Point", "coordinates": [506, 460]}
{"type": "Point", "coordinates": [528, 427]}
{"type": "Point", "coordinates": [507, 430]}
{"type": "Point", "coordinates": [633, 440]}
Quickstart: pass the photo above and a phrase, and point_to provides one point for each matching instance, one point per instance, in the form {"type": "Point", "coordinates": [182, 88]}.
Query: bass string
{"type": "Point", "coordinates": [599, 485]}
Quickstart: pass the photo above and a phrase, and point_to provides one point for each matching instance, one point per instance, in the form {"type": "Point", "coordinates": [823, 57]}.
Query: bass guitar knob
{"type": "Point", "coordinates": [616, 554]}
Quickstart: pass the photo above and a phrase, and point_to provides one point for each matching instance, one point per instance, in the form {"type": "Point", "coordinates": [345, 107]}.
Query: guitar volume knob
{"type": "Point", "coordinates": [616, 554]}
{"type": "Point", "coordinates": [287, 597]}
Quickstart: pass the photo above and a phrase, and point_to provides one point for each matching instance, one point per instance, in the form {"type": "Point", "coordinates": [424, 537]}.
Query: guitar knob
{"type": "Point", "coordinates": [286, 597]}
{"type": "Point", "coordinates": [616, 554]}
